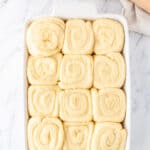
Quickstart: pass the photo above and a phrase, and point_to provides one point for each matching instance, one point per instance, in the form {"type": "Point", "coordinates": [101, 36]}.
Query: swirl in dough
{"type": "Point", "coordinates": [45, 36]}
{"type": "Point", "coordinates": [78, 136]}
{"type": "Point", "coordinates": [108, 136]}
{"type": "Point", "coordinates": [44, 70]}
{"type": "Point", "coordinates": [109, 70]}
{"type": "Point", "coordinates": [79, 37]}
{"type": "Point", "coordinates": [109, 104]}
{"type": "Point", "coordinates": [109, 36]}
{"type": "Point", "coordinates": [45, 134]}
{"type": "Point", "coordinates": [76, 71]}
{"type": "Point", "coordinates": [43, 101]}
{"type": "Point", "coordinates": [75, 105]}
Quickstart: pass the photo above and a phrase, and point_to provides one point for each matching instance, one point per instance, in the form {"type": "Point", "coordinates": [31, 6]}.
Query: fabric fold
{"type": "Point", "coordinates": [138, 19]}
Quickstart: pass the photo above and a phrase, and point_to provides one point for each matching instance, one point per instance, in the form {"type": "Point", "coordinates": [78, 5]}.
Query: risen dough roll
{"type": "Point", "coordinates": [108, 136]}
{"type": "Point", "coordinates": [79, 38]}
{"type": "Point", "coordinates": [45, 36]}
{"type": "Point", "coordinates": [109, 36]}
{"type": "Point", "coordinates": [45, 134]}
{"type": "Point", "coordinates": [43, 101]}
{"type": "Point", "coordinates": [44, 70]}
{"type": "Point", "coordinates": [109, 104]}
{"type": "Point", "coordinates": [75, 105]}
{"type": "Point", "coordinates": [109, 70]}
{"type": "Point", "coordinates": [78, 136]}
{"type": "Point", "coordinates": [76, 71]}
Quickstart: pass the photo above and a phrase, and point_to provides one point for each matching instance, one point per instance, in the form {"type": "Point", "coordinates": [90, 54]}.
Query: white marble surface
{"type": "Point", "coordinates": [13, 14]}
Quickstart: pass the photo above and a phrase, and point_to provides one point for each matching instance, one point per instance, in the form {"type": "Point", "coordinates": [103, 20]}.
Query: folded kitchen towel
{"type": "Point", "coordinates": [138, 19]}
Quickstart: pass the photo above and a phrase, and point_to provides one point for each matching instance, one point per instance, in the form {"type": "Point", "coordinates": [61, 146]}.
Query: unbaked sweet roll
{"type": "Point", "coordinates": [43, 101]}
{"type": "Point", "coordinates": [75, 105]}
{"type": "Point", "coordinates": [78, 136]}
{"type": "Point", "coordinates": [76, 71]}
{"type": "Point", "coordinates": [109, 70]}
{"type": "Point", "coordinates": [45, 36]}
{"type": "Point", "coordinates": [45, 134]}
{"type": "Point", "coordinates": [79, 37]}
{"type": "Point", "coordinates": [44, 70]}
{"type": "Point", "coordinates": [109, 36]}
{"type": "Point", "coordinates": [109, 104]}
{"type": "Point", "coordinates": [108, 136]}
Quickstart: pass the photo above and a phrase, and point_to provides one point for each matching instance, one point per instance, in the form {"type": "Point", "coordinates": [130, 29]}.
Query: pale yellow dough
{"type": "Point", "coordinates": [69, 90]}
{"type": "Point", "coordinates": [108, 136]}
{"type": "Point", "coordinates": [78, 136]}
{"type": "Point", "coordinates": [76, 71]}
{"type": "Point", "coordinates": [79, 37]}
{"type": "Point", "coordinates": [45, 134]}
{"type": "Point", "coordinates": [75, 105]}
{"type": "Point", "coordinates": [109, 70]}
{"type": "Point", "coordinates": [109, 36]}
{"type": "Point", "coordinates": [43, 101]}
{"type": "Point", "coordinates": [45, 36]}
{"type": "Point", "coordinates": [44, 70]}
{"type": "Point", "coordinates": [109, 105]}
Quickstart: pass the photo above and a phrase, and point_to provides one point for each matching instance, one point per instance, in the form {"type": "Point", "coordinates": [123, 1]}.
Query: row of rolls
{"type": "Point", "coordinates": [78, 71]}
{"type": "Point", "coordinates": [77, 105]}
{"type": "Point", "coordinates": [48, 36]}
{"type": "Point", "coordinates": [52, 134]}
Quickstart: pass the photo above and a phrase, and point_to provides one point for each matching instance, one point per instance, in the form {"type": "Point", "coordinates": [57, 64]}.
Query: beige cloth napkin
{"type": "Point", "coordinates": [138, 19]}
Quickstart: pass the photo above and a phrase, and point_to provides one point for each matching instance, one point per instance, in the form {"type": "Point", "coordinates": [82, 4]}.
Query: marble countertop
{"type": "Point", "coordinates": [13, 15]}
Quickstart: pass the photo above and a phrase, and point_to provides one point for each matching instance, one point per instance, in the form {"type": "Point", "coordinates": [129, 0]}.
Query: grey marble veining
{"type": "Point", "coordinates": [13, 15]}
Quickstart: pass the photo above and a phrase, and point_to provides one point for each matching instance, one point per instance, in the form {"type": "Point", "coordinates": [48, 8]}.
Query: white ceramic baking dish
{"type": "Point", "coordinates": [92, 16]}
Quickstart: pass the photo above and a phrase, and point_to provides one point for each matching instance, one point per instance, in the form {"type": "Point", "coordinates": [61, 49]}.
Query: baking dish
{"type": "Point", "coordinates": [122, 20]}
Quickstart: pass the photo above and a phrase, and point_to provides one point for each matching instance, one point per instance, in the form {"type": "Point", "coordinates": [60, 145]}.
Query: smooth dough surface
{"type": "Point", "coordinates": [78, 136]}
{"type": "Point", "coordinates": [76, 71]}
{"type": "Point", "coordinates": [45, 134]}
{"type": "Point", "coordinates": [75, 105]}
{"type": "Point", "coordinates": [43, 101]}
{"type": "Point", "coordinates": [79, 37]}
{"type": "Point", "coordinates": [108, 136]}
{"type": "Point", "coordinates": [109, 105]}
{"type": "Point", "coordinates": [109, 36]}
{"type": "Point", "coordinates": [44, 70]}
{"type": "Point", "coordinates": [109, 70]}
{"type": "Point", "coordinates": [45, 36]}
